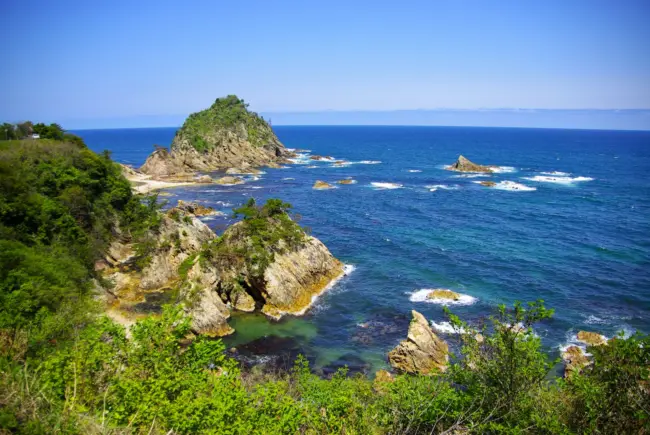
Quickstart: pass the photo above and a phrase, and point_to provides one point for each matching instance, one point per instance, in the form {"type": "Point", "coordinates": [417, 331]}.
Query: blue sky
{"type": "Point", "coordinates": [148, 63]}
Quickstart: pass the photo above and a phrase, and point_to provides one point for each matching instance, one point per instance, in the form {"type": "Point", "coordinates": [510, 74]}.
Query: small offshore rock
{"type": "Point", "coordinates": [322, 185]}
{"type": "Point", "coordinates": [487, 183]}
{"type": "Point", "coordinates": [591, 338]}
{"type": "Point", "coordinates": [464, 165]}
{"type": "Point", "coordinates": [347, 181]}
{"type": "Point", "coordinates": [441, 293]}
{"type": "Point", "coordinates": [229, 180]}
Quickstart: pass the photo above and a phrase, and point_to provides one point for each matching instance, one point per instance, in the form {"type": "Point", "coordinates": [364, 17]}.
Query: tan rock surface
{"type": "Point", "coordinates": [464, 165]}
{"type": "Point", "coordinates": [321, 185]}
{"type": "Point", "coordinates": [422, 352]}
{"type": "Point", "coordinates": [441, 293]}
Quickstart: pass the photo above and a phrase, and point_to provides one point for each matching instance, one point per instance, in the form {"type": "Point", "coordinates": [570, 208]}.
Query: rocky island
{"type": "Point", "coordinates": [464, 165]}
{"type": "Point", "coordinates": [225, 135]}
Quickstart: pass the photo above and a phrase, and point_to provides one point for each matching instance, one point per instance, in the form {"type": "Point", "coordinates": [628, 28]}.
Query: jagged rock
{"type": "Point", "coordinates": [322, 185]}
{"type": "Point", "coordinates": [228, 180]}
{"type": "Point", "coordinates": [441, 293]}
{"type": "Point", "coordinates": [383, 376]}
{"type": "Point", "coordinates": [226, 135]}
{"type": "Point", "coordinates": [591, 338]}
{"type": "Point", "coordinates": [464, 165]}
{"type": "Point", "coordinates": [423, 352]}
{"type": "Point", "coordinates": [347, 181]}
{"type": "Point", "coordinates": [574, 360]}
{"type": "Point", "coordinates": [487, 183]}
{"type": "Point", "coordinates": [296, 277]}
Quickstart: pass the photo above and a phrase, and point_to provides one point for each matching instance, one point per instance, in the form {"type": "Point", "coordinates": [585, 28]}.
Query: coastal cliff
{"type": "Point", "coordinates": [264, 263]}
{"type": "Point", "coordinates": [226, 135]}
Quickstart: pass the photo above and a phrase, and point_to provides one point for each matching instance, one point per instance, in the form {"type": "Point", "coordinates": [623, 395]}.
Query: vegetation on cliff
{"type": "Point", "coordinates": [226, 114]}
{"type": "Point", "coordinates": [66, 369]}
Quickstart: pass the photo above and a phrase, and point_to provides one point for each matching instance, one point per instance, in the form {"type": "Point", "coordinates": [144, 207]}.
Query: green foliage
{"type": "Point", "coordinates": [60, 206]}
{"type": "Point", "coordinates": [264, 231]}
{"type": "Point", "coordinates": [230, 114]}
{"type": "Point", "coordinates": [612, 395]}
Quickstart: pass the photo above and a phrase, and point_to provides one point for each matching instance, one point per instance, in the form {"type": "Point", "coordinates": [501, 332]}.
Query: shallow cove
{"type": "Point", "coordinates": [583, 247]}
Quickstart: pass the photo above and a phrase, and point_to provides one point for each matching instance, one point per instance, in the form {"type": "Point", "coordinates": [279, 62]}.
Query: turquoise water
{"type": "Point", "coordinates": [579, 240]}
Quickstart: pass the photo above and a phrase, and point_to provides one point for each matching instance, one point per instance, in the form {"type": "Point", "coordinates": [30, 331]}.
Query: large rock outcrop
{"type": "Point", "coordinates": [464, 165]}
{"type": "Point", "coordinates": [423, 352]}
{"type": "Point", "coordinates": [265, 263]}
{"type": "Point", "coordinates": [226, 135]}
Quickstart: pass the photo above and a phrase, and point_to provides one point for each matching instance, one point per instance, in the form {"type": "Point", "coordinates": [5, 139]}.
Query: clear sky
{"type": "Point", "coordinates": [140, 63]}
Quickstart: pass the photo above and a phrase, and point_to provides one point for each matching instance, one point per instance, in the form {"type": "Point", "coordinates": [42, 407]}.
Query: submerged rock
{"type": "Point", "coordinates": [487, 183]}
{"type": "Point", "coordinates": [322, 185]}
{"type": "Point", "coordinates": [441, 293]}
{"type": "Point", "coordinates": [592, 338]}
{"type": "Point", "coordinates": [464, 165]}
{"type": "Point", "coordinates": [347, 181]}
{"type": "Point", "coordinates": [423, 352]}
{"type": "Point", "coordinates": [229, 180]}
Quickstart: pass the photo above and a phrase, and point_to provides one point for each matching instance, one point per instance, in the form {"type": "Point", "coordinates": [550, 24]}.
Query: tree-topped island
{"type": "Point", "coordinates": [225, 135]}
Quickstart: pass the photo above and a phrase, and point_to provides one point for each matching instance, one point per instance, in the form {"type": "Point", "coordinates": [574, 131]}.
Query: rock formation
{"type": "Point", "coordinates": [422, 352]}
{"type": "Point", "coordinates": [278, 271]}
{"type": "Point", "coordinates": [229, 180]}
{"type": "Point", "coordinates": [591, 338]}
{"type": "Point", "coordinates": [441, 293]}
{"type": "Point", "coordinates": [464, 165]}
{"type": "Point", "coordinates": [574, 360]}
{"type": "Point", "coordinates": [320, 185]}
{"type": "Point", "coordinates": [195, 209]}
{"type": "Point", "coordinates": [487, 183]}
{"type": "Point", "coordinates": [347, 181]}
{"type": "Point", "coordinates": [226, 135]}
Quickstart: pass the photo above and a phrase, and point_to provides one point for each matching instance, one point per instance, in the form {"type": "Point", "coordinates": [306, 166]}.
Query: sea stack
{"type": "Point", "coordinates": [464, 165]}
{"type": "Point", "coordinates": [226, 135]}
{"type": "Point", "coordinates": [423, 352]}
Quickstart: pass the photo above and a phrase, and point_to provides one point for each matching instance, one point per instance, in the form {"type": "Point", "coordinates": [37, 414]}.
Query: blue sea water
{"type": "Point", "coordinates": [578, 240]}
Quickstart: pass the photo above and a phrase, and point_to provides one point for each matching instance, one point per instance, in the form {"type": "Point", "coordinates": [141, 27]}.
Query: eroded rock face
{"type": "Point", "coordinates": [226, 135]}
{"type": "Point", "coordinates": [591, 338]}
{"type": "Point", "coordinates": [464, 165]}
{"type": "Point", "coordinates": [423, 352]}
{"type": "Point", "coordinates": [195, 209]}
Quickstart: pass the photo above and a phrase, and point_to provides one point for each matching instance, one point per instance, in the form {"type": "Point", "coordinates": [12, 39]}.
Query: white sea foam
{"type": "Point", "coordinates": [572, 340]}
{"type": "Point", "coordinates": [414, 170]}
{"type": "Point", "coordinates": [503, 169]}
{"type": "Point", "coordinates": [435, 187]}
{"type": "Point", "coordinates": [341, 164]}
{"type": "Point", "coordinates": [369, 162]}
{"type": "Point", "coordinates": [557, 179]}
{"type": "Point", "coordinates": [470, 175]}
{"type": "Point", "coordinates": [421, 296]}
{"type": "Point", "coordinates": [512, 186]}
{"type": "Point", "coordinates": [446, 328]}
{"type": "Point", "coordinates": [379, 185]}
{"type": "Point", "coordinates": [288, 178]}
{"type": "Point", "coordinates": [311, 166]}
{"type": "Point", "coordinates": [557, 173]}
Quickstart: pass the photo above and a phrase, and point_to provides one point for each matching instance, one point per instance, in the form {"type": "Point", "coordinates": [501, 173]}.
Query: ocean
{"type": "Point", "coordinates": [567, 222]}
